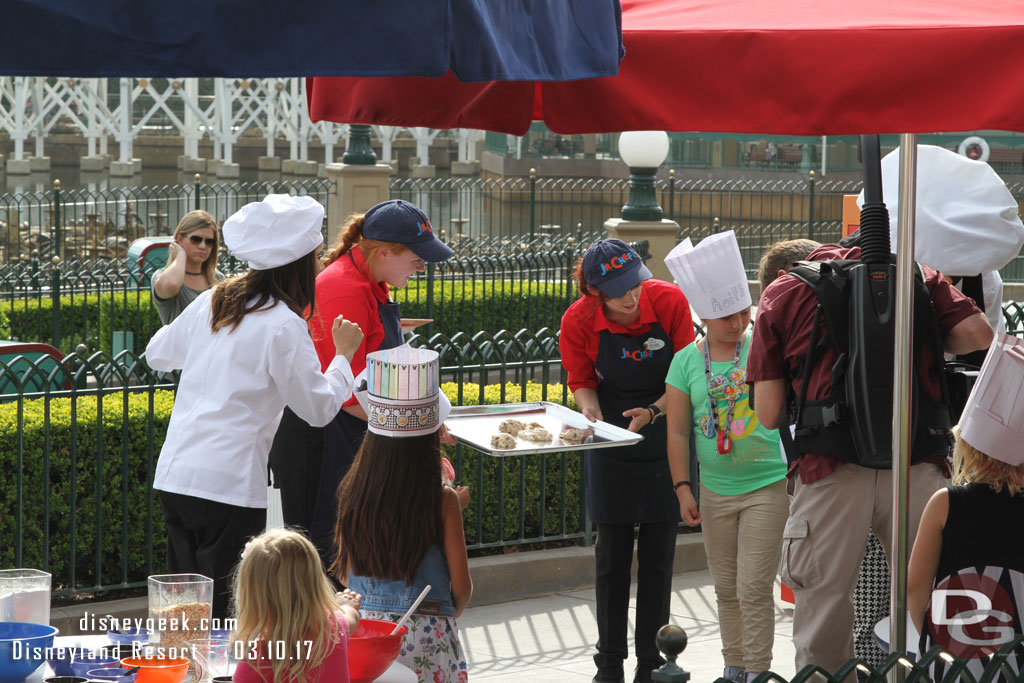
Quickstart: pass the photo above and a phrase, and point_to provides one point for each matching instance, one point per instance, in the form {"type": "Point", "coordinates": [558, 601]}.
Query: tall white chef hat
{"type": "Point", "coordinates": [276, 231]}
{"type": "Point", "coordinates": [711, 275]}
{"type": "Point", "coordinates": [966, 219]}
{"type": "Point", "coordinates": [993, 418]}
{"type": "Point", "coordinates": [402, 395]}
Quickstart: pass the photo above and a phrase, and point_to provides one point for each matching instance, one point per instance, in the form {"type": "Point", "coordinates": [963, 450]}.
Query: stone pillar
{"type": "Point", "coordinates": [19, 166]}
{"type": "Point", "coordinates": [660, 234]}
{"type": "Point", "coordinates": [420, 167]}
{"type": "Point", "coordinates": [269, 163]}
{"type": "Point", "coordinates": [227, 170]}
{"type": "Point", "coordinates": [465, 168]}
{"type": "Point", "coordinates": [356, 188]}
{"type": "Point", "coordinates": [92, 164]}
{"type": "Point", "coordinates": [190, 164]}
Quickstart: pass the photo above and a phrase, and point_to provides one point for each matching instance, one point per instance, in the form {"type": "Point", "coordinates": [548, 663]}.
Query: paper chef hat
{"type": "Point", "coordinates": [711, 275]}
{"type": "Point", "coordinates": [401, 397]}
{"type": "Point", "coordinates": [966, 219]}
{"type": "Point", "coordinates": [993, 418]}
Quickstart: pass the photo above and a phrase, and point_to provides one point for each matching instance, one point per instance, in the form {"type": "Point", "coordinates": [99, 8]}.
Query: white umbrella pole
{"type": "Point", "coordinates": [902, 379]}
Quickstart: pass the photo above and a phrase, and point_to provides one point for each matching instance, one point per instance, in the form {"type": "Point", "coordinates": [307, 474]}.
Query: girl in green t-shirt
{"type": "Point", "coordinates": [743, 501]}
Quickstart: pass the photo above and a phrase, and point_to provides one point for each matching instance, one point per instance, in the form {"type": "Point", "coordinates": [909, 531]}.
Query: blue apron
{"type": "Point", "coordinates": [631, 483]}
{"type": "Point", "coordinates": [341, 442]}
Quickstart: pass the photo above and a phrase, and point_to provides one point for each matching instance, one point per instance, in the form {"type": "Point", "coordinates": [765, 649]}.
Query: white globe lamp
{"type": "Point", "coordinates": [643, 151]}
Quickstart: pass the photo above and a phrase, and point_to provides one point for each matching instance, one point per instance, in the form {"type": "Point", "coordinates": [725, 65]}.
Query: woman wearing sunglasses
{"type": "Point", "coordinates": [191, 266]}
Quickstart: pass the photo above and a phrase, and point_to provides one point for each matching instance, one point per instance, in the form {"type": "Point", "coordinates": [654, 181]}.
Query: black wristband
{"type": "Point", "coordinates": [655, 411]}
{"type": "Point", "coordinates": [684, 482]}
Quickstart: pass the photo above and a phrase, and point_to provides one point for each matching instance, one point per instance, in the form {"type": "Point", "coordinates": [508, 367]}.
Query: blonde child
{"type": "Point", "coordinates": [966, 542]}
{"type": "Point", "coordinates": [397, 530]}
{"type": "Point", "coordinates": [965, 579]}
{"type": "Point", "coordinates": [292, 627]}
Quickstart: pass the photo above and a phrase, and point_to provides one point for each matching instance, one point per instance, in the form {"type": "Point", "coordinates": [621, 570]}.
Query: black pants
{"type": "Point", "coordinates": [205, 537]}
{"type": "Point", "coordinates": [655, 551]}
{"type": "Point", "coordinates": [295, 458]}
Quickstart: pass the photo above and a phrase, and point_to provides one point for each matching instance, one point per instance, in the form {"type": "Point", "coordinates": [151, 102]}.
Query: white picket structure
{"type": "Point", "coordinates": [274, 108]}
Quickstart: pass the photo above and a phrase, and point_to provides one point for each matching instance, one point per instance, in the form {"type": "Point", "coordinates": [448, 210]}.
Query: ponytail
{"type": "Point", "coordinates": [350, 237]}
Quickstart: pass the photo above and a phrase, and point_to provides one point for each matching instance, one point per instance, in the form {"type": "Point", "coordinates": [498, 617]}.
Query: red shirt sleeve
{"type": "Point", "coordinates": [766, 359]}
{"type": "Point", "coordinates": [951, 305]}
{"type": "Point", "coordinates": [673, 311]}
{"type": "Point", "coordinates": [573, 342]}
{"type": "Point", "coordinates": [358, 309]}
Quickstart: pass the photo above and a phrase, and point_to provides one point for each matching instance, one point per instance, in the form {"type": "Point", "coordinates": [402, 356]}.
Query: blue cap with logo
{"type": "Point", "coordinates": [614, 268]}
{"type": "Point", "coordinates": [399, 221]}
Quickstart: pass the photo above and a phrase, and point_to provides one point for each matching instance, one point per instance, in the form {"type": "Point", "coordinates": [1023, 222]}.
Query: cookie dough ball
{"type": "Point", "coordinates": [537, 435]}
{"type": "Point", "coordinates": [503, 441]}
{"type": "Point", "coordinates": [573, 436]}
{"type": "Point", "coordinates": [512, 427]}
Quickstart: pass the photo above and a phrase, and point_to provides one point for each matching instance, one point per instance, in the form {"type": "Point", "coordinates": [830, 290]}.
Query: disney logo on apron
{"type": "Point", "coordinates": [649, 346]}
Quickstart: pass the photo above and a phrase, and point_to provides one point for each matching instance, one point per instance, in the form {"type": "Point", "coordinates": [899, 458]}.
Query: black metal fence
{"type": "Point", "coordinates": [83, 224]}
{"type": "Point", "coordinates": [105, 304]}
{"type": "Point", "coordinates": [80, 436]}
{"type": "Point", "coordinates": [494, 212]}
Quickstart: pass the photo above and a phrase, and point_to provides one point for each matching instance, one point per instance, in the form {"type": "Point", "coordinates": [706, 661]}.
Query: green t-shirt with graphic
{"type": "Point", "coordinates": [756, 459]}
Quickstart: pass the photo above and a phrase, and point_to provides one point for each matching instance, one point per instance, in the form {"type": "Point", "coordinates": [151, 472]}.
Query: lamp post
{"type": "Point", "coordinates": [359, 150]}
{"type": "Point", "coordinates": [643, 151]}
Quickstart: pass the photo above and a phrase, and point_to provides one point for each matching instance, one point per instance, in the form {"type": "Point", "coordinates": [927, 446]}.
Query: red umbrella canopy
{"type": "Point", "coordinates": [802, 67]}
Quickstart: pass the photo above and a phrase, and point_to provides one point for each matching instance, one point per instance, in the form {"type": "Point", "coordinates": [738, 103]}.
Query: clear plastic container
{"type": "Point", "coordinates": [180, 610]}
{"type": "Point", "coordinates": [25, 595]}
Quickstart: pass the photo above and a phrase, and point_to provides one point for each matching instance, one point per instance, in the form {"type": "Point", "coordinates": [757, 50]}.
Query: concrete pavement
{"type": "Point", "coordinates": [551, 639]}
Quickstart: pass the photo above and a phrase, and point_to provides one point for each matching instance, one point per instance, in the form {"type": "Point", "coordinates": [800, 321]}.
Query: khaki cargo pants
{"type": "Point", "coordinates": [823, 545]}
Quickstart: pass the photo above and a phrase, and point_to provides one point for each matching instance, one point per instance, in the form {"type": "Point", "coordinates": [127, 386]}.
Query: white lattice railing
{"type": "Point", "coordinates": [221, 110]}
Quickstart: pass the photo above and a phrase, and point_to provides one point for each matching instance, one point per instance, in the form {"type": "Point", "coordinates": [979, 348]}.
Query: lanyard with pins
{"type": "Point", "coordinates": [711, 430]}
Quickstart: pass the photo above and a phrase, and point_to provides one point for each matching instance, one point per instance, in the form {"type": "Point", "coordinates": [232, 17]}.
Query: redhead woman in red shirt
{"type": "Point", "coordinates": [617, 342]}
{"type": "Point", "coordinates": [380, 249]}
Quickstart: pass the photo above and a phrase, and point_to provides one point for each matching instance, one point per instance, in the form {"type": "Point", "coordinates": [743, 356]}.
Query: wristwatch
{"type": "Point", "coordinates": [655, 411]}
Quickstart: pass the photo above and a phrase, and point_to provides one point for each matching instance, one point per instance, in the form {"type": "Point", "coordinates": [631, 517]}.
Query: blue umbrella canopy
{"type": "Point", "coordinates": [477, 40]}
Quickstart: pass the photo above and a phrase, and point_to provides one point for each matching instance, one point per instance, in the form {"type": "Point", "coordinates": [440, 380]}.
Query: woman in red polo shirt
{"type": "Point", "coordinates": [617, 342]}
{"type": "Point", "coordinates": [385, 247]}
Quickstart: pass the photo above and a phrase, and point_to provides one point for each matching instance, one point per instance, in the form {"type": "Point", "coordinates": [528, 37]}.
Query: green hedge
{"type": "Point", "coordinates": [492, 306]}
{"type": "Point", "coordinates": [83, 429]}
{"type": "Point", "coordinates": [88, 319]}
{"type": "Point", "coordinates": [458, 307]}
{"type": "Point", "coordinates": [89, 427]}
{"type": "Point", "coordinates": [522, 476]}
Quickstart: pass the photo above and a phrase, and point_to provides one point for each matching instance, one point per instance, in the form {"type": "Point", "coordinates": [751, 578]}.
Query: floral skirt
{"type": "Point", "coordinates": [431, 648]}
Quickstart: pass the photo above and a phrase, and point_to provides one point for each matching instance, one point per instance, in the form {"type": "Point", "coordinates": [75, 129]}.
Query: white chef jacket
{"type": "Point", "coordinates": [992, 288]}
{"type": "Point", "coordinates": [234, 386]}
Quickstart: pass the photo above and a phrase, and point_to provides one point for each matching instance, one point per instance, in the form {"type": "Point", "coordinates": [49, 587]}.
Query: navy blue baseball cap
{"type": "Point", "coordinates": [397, 220]}
{"type": "Point", "coordinates": [614, 268]}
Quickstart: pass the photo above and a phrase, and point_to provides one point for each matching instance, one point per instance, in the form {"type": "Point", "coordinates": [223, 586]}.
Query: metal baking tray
{"type": "Point", "coordinates": [475, 425]}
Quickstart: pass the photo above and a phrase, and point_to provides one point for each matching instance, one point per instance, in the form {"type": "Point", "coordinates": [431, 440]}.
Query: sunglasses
{"type": "Point", "coordinates": [197, 240]}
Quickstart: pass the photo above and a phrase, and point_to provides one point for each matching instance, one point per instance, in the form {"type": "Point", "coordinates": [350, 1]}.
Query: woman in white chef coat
{"type": "Point", "coordinates": [245, 352]}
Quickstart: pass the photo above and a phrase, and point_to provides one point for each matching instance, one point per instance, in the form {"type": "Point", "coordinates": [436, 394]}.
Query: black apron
{"type": "Point", "coordinates": [632, 483]}
{"type": "Point", "coordinates": [341, 441]}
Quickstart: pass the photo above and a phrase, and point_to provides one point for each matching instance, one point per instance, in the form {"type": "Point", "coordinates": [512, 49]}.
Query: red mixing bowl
{"type": "Point", "coordinates": [372, 649]}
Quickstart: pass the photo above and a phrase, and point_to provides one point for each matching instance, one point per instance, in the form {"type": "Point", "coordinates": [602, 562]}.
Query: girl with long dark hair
{"type": "Point", "coordinates": [398, 529]}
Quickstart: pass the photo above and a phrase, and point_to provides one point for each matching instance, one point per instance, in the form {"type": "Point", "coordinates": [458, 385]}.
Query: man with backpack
{"type": "Point", "coordinates": [836, 497]}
